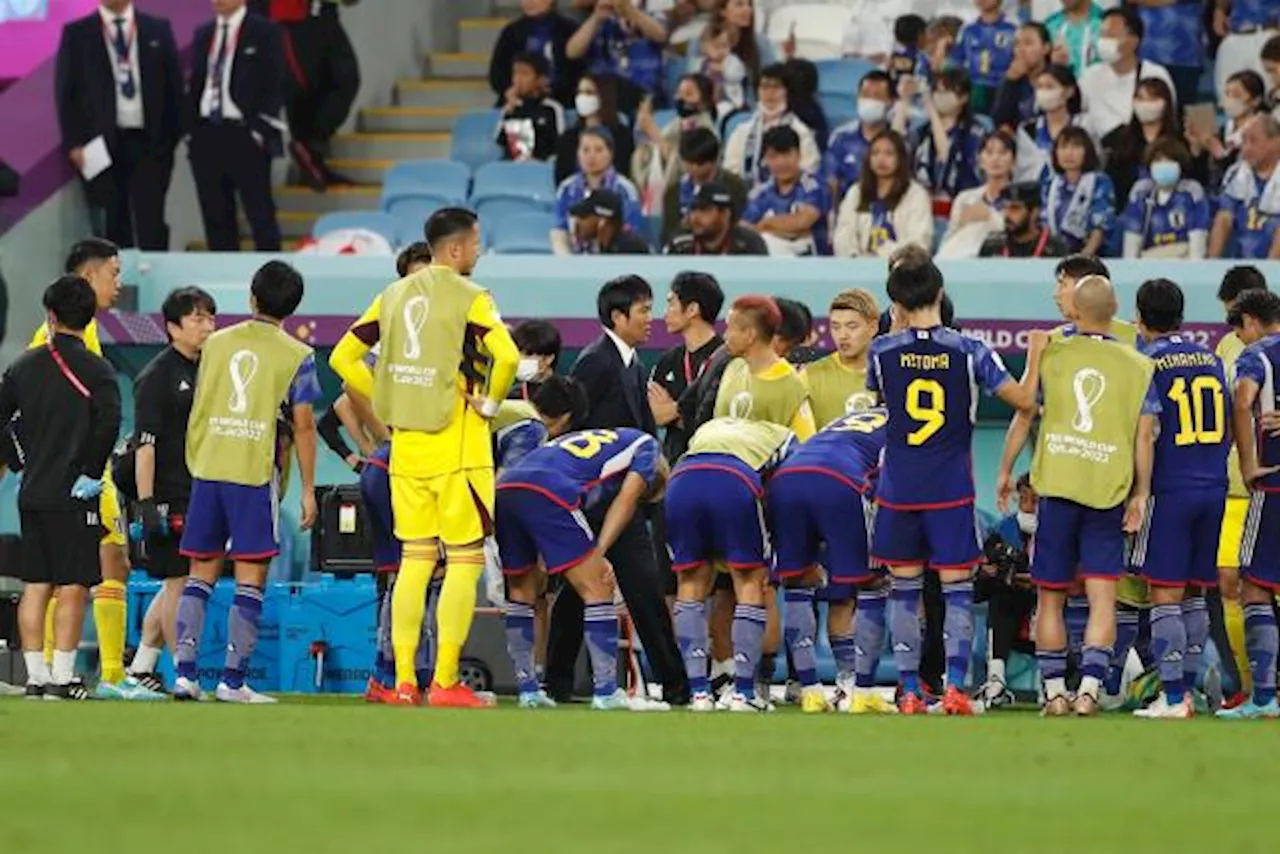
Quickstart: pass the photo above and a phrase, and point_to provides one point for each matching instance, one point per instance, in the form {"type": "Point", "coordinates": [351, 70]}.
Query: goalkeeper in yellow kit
{"type": "Point", "coordinates": [431, 327]}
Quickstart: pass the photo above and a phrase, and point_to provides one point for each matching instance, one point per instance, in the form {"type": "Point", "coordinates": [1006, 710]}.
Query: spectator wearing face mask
{"type": "Point", "coordinates": [597, 108]}
{"type": "Point", "coordinates": [985, 49]}
{"type": "Point", "coordinates": [744, 152]}
{"type": "Point", "coordinates": [1125, 148]}
{"type": "Point", "coordinates": [1245, 98]}
{"type": "Point", "coordinates": [656, 164]}
{"type": "Point", "coordinates": [1168, 214]}
{"type": "Point", "coordinates": [791, 209]}
{"type": "Point", "coordinates": [887, 209]}
{"type": "Point", "coordinates": [946, 160]}
{"type": "Point", "coordinates": [700, 164]}
{"type": "Point", "coordinates": [539, 344]}
{"type": "Point", "coordinates": [1248, 28]}
{"type": "Point", "coordinates": [1058, 104]}
{"type": "Point", "coordinates": [977, 212]}
{"type": "Point", "coordinates": [847, 148]}
{"type": "Point", "coordinates": [621, 40]}
{"type": "Point", "coordinates": [1015, 100]}
{"type": "Point", "coordinates": [1075, 32]}
{"type": "Point", "coordinates": [1080, 200]}
{"type": "Point", "coordinates": [1175, 39]}
{"type": "Point", "coordinates": [1023, 236]}
{"type": "Point", "coordinates": [1107, 89]}
{"type": "Point", "coordinates": [1247, 224]}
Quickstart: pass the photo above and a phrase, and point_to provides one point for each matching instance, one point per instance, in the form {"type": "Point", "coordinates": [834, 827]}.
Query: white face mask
{"type": "Point", "coordinates": [1049, 99]}
{"type": "Point", "coordinates": [946, 103]}
{"type": "Point", "coordinates": [1234, 107]}
{"type": "Point", "coordinates": [1108, 49]}
{"type": "Point", "coordinates": [871, 111]}
{"type": "Point", "coordinates": [586, 105]}
{"type": "Point", "coordinates": [1148, 111]}
{"type": "Point", "coordinates": [527, 369]}
{"type": "Point", "coordinates": [1027, 523]}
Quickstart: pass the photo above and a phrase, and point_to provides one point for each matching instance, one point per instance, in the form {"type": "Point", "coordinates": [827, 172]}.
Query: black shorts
{"type": "Point", "coordinates": [60, 547]}
{"type": "Point", "coordinates": [163, 560]}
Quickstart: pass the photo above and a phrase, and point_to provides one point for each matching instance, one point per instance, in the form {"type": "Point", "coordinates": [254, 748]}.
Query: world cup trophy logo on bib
{"type": "Point", "coordinates": [415, 317]}
{"type": "Point", "coordinates": [859, 401]}
{"type": "Point", "coordinates": [244, 364]}
{"type": "Point", "coordinates": [741, 404]}
{"type": "Point", "coordinates": [1088, 385]}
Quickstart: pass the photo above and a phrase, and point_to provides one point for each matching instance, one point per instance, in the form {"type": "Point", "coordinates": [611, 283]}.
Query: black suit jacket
{"type": "Point", "coordinates": [613, 403]}
{"type": "Point", "coordinates": [257, 77]}
{"type": "Point", "coordinates": [85, 83]}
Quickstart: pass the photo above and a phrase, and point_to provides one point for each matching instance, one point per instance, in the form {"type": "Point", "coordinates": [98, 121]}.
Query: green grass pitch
{"type": "Point", "coordinates": [334, 775]}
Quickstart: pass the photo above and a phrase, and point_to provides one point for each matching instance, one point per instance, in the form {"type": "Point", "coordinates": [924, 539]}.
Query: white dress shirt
{"type": "Point", "coordinates": [625, 350]}
{"type": "Point", "coordinates": [128, 110]}
{"type": "Point", "coordinates": [229, 109]}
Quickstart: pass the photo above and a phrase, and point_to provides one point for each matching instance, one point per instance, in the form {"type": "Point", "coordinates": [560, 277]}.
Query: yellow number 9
{"type": "Point", "coordinates": [587, 444]}
{"type": "Point", "coordinates": [933, 416]}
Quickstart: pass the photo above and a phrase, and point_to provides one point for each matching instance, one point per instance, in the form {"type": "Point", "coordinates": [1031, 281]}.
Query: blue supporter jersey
{"type": "Point", "coordinates": [945, 177]}
{"type": "Point", "coordinates": [586, 468]}
{"type": "Point", "coordinates": [513, 442]}
{"type": "Point", "coordinates": [768, 200]}
{"type": "Point", "coordinates": [846, 152]}
{"type": "Point", "coordinates": [1194, 437]}
{"type": "Point", "coordinates": [574, 189]}
{"type": "Point", "coordinates": [1258, 362]}
{"type": "Point", "coordinates": [1253, 14]}
{"type": "Point", "coordinates": [1174, 34]}
{"type": "Point", "coordinates": [929, 380]}
{"type": "Point", "coordinates": [625, 53]}
{"type": "Point", "coordinates": [848, 448]}
{"type": "Point", "coordinates": [1252, 228]}
{"type": "Point", "coordinates": [1072, 211]}
{"type": "Point", "coordinates": [540, 39]}
{"type": "Point", "coordinates": [1165, 219]}
{"type": "Point", "coordinates": [305, 388]}
{"type": "Point", "coordinates": [985, 50]}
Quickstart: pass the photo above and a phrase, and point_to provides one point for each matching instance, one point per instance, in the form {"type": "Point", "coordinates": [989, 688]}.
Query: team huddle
{"type": "Point", "coordinates": [844, 481]}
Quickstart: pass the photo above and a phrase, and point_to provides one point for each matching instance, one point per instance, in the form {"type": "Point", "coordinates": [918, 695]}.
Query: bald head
{"type": "Point", "coordinates": [1094, 300]}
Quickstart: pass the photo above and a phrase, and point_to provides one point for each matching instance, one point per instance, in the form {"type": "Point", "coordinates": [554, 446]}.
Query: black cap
{"type": "Point", "coordinates": [605, 203]}
{"type": "Point", "coordinates": [713, 195]}
{"type": "Point", "coordinates": [1025, 193]}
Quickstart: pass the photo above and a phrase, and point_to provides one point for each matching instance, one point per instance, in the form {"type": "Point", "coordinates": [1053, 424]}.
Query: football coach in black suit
{"type": "Point", "coordinates": [118, 78]}
{"type": "Point", "coordinates": [617, 389]}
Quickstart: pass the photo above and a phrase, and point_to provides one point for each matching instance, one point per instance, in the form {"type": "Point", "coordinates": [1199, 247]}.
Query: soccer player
{"type": "Point", "coordinates": [929, 378]}
{"type": "Point", "coordinates": [539, 344]}
{"type": "Point", "coordinates": [715, 522]}
{"type": "Point", "coordinates": [540, 512]}
{"type": "Point", "coordinates": [247, 372]}
{"type": "Point", "coordinates": [759, 385]}
{"type": "Point", "coordinates": [441, 464]}
{"type": "Point", "coordinates": [816, 498]}
{"type": "Point", "coordinates": [70, 419]}
{"type": "Point", "coordinates": [98, 262]}
{"type": "Point", "coordinates": [1256, 319]}
{"type": "Point", "coordinates": [1092, 471]}
{"type": "Point", "coordinates": [1177, 545]}
{"type": "Point", "coordinates": [838, 383]}
{"type": "Point", "coordinates": [163, 394]}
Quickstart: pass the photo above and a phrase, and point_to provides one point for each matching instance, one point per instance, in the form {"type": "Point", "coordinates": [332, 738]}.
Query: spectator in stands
{"type": "Point", "coordinates": [1175, 40]}
{"type": "Point", "coordinates": [1168, 212]}
{"type": "Point", "coordinates": [1058, 101]}
{"type": "Point", "coordinates": [656, 165]}
{"type": "Point", "coordinates": [791, 209]}
{"type": "Point", "coordinates": [542, 30]}
{"type": "Point", "coordinates": [1075, 32]}
{"type": "Point", "coordinates": [847, 149]}
{"type": "Point", "coordinates": [908, 46]}
{"type": "Point", "coordinates": [595, 161]}
{"type": "Point", "coordinates": [887, 207]}
{"type": "Point", "coordinates": [1080, 200]}
{"type": "Point", "coordinates": [1245, 98]}
{"type": "Point", "coordinates": [686, 19]}
{"type": "Point", "coordinates": [133, 102]}
{"type": "Point", "coordinates": [621, 40]}
{"type": "Point", "coordinates": [539, 344]}
{"type": "Point", "coordinates": [1271, 68]}
{"type": "Point", "coordinates": [1247, 224]}
{"type": "Point", "coordinates": [1023, 236]}
{"type": "Point", "coordinates": [985, 48]}
{"type": "Point", "coordinates": [700, 156]}
{"type": "Point", "coordinates": [235, 129]}
{"type": "Point", "coordinates": [725, 69]}
{"type": "Point", "coordinates": [939, 47]}
{"type": "Point", "coordinates": [693, 307]}
{"type": "Point", "coordinates": [531, 121]}
{"type": "Point", "coordinates": [869, 33]}
{"type": "Point", "coordinates": [946, 160]}
{"type": "Point", "coordinates": [1125, 148]}
{"type": "Point", "coordinates": [1106, 88]}
{"type": "Point", "coordinates": [1248, 29]}
{"type": "Point", "coordinates": [597, 107]}
{"type": "Point", "coordinates": [714, 228]}
{"type": "Point", "coordinates": [1015, 100]}
{"type": "Point", "coordinates": [743, 154]}
{"type": "Point", "coordinates": [979, 211]}
{"type": "Point", "coordinates": [599, 228]}
{"type": "Point", "coordinates": [751, 47]}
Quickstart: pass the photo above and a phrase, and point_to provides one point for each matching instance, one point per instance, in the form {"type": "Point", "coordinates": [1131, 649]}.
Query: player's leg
{"type": "Point", "coordinates": [425, 663]}
{"type": "Point", "coordinates": [954, 552]}
{"type": "Point", "coordinates": [899, 542]}
{"type": "Point", "coordinates": [1259, 580]}
{"type": "Point", "coordinates": [796, 539]}
{"type": "Point", "coordinates": [36, 605]}
{"type": "Point", "coordinates": [375, 490]}
{"type": "Point", "coordinates": [74, 571]}
{"type": "Point", "coordinates": [1203, 576]}
{"type": "Point", "coordinates": [720, 628]}
{"type": "Point", "coordinates": [204, 543]}
{"type": "Point", "coordinates": [159, 623]}
{"type": "Point", "coordinates": [750, 586]}
{"type": "Point", "coordinates": [1226, 619]}
{"type": "Point", "coordinates": [1102, 562]}
{"type": "Point", "coordinates": [689, 539]}
{"type": "Point", "coordinates": [516, 513]}
{"type": "Point", "coordinates": [1076, 615]}
{"type": "Point", "coordinates": [382, 681]}
{"type": "Point", "coordinates": [1053, 570]}
{"type": "Point", "coordinates": [593, 579]}
{"type": "Point", "coordinates": [848, 565]}
{"type": "Point", "coordinates": [414, 509]}
{"type": "Point", "coordinates": [110, 598]}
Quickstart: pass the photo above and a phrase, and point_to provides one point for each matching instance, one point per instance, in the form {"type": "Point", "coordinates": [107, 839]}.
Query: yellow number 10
{"type": "Point", "coordinates": [587, 444]}
{"type": "Point", "coordinates": [933, 416]}
{"type": "Point", "coordinates": [1192, 429]}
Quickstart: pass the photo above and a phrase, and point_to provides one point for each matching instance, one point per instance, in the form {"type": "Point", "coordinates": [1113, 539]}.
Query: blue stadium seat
{"type": "Point", "coordinates": [504, 188]}
{"type": "Point", "coordinates": [473, 138]}
{"type": "Point", "coordinates": [841, 76]}
{"type": "Point", "coordinates": [526, 233]}
{"type": "Point", "coordinates": [447, 180]}
{"type": "Point", "coordinates": [838, 107]}
{"type": "Point", "coordinates": [375, 221]}
{"type": "Point", "coordinates": [410, 213]}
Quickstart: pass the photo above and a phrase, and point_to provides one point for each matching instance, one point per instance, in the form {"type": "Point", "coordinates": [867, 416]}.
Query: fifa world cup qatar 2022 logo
{"type": "Point", "coordinates": [414, 315]}
{"type": "Point", "coordinates": [1089, 385]}
{"type": "Point", "coordinates": [243, 368]}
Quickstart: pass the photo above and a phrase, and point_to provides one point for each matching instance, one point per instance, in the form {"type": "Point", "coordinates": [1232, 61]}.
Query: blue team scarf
{"type": "Point", "coordinates": [1074, 219]}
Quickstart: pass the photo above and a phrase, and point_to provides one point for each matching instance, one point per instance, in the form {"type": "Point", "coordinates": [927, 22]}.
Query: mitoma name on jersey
{"type": "Point", "coordinates": [925, 361]}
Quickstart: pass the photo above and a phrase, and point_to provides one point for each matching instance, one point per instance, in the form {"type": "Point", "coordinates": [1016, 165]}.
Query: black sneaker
{"type": "Point", "coordinates": [151, 682]}
{"type": "Point", "coordinates": [34, 692]}
{"type": "Point", "coordinates": [73, 690]}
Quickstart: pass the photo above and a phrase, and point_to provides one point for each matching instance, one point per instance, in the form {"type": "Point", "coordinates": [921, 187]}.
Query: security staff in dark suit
{"type": "Point", "coordinates": [118, 78]}
{"type": "Point", "coordinates": [616, 384]}
{"type": "Point", "coordinates": [233, 107]}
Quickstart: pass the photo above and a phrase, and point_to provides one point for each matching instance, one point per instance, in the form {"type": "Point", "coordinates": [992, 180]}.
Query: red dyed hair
{"type": "Point", "coordinates": [762, 311]}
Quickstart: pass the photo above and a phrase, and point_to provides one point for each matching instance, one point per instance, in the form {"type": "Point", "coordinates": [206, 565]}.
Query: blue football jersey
{"type": "Point", "coordinates": [768, 200]}
{"type": "Point", "coordinates": [1253, 229]}
{"type": "Point", "coordinates": [1258, 363]}
{"type": "Point", "coordinates": [513, 442]}
{"type": "Point", "coordinates": [1173, 34]}
{"type": "Point", "coordinates": [986, 50]}
{"type": "Point", "coordinates": [1195, 411]}
{"type": "Point", "coordinates": [929, 381]}
{"type": "Point", "coordinates": [587, 467]}
{"type": "Point", "coordinates": [846, 152]}
{"type": "Point", "coordinates": [1166, 219]}
{"type": "Point", "coordinates": [1253, 14]}
{"type": "Point", "coordinates": [848, 448]}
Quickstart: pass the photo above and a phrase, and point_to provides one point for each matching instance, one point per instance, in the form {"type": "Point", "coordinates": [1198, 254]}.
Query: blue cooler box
{"type": "Point", "coordinates": [329, 632]}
